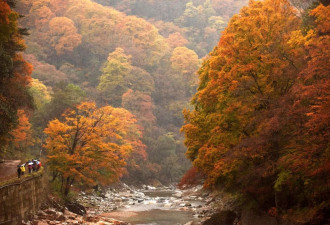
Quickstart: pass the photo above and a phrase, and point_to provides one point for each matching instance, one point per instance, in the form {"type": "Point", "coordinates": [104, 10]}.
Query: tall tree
{"type": "Point", "coordinates": [22, 134]}
{"type": "Point", "coordinates": [90, 145]}
{"type": "Point", "coordinates": [63, 35]}
{"type": "Point", "coordinates": [260, 121]}
{"type": "Point", "coordinates": [305, 170]}
{"type": "Point", "coordinates": [252, 67]}
{"type": "Point", "coordinates": [14, 71]}
{"type": "Point", "coordinates": [116, 72]}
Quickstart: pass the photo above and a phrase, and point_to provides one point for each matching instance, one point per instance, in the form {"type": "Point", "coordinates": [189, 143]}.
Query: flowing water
{"type": "Point", "coordinates": [159, 207]}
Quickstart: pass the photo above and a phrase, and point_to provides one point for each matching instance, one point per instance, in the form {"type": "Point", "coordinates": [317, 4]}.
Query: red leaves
{"type": "Point", "coordinates": [261, 118]}
{"type": "Point", "coordinates": [191, 177]}
{"type": "Point", "coordinates": [15, 72]}
{"type": "Point", "coordinates": [4, 12]}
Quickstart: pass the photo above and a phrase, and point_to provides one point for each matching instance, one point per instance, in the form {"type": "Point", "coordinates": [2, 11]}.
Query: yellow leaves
{"type": "Point", "coordinates": [298, 40]}
{"type": "Point", "coordinates": [90, 137]}
{"type": "Point", "coordinates": [184, 60]}
{"type": "Point", "coordinates": [322, 14]}
{"type": "Point", "coordinates": [39, 92]}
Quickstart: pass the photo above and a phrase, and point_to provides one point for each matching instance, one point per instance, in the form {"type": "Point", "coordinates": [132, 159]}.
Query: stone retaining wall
{"type": "Point", "coordinates": [20, 199]}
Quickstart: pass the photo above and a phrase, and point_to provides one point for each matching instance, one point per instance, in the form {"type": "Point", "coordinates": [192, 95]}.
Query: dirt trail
{"type": "Point", "coordinates": [8, 168]}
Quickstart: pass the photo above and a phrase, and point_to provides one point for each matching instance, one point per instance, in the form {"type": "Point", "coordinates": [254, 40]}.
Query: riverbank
{"type": "Point", "coordinates": [130, 205]}
{"type": "Point", "coordinates": [146, 205]}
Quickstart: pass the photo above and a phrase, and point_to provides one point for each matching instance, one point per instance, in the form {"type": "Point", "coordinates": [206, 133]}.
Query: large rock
{"type": "Point", "coordinates": [75, 207]}
{"type": "Point", "coordinates": [221, 218]}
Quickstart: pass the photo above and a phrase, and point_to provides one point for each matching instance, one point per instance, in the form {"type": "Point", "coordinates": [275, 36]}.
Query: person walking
{"type": "Point", "coordinates": [30, 166]}
{"type": "Point", "coordinates": [34, 165]}
{"type": "Point", "coordinates": [19, 171]}
{"type": "Point", "coordinates": [23, 169]}
{"type": "Point", "coordinates": [38, 164]}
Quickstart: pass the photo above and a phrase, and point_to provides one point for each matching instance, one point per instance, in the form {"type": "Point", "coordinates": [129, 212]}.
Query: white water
{"type": "Point", "coordinates": [158, 207]}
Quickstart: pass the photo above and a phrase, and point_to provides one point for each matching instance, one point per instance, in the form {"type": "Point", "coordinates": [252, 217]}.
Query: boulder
{"type": "Point", "coordinates": [76, 208]}
{"type": "Point", "coordinates": [221, 218]}
{"type": "Point", "coordinates": [50, 212]}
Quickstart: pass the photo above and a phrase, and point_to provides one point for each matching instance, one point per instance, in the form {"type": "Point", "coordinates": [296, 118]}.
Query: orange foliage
{"type": "Point", "coordinates": [15, 72]}
{"type": "Point", "coordinates": [91, 144]}
{"type": "Point", "coordinates": [139, 104]}
{"type": "Point", "coordinates": [261, 118]}
{"type": "Point", "coordinates": [22, 133]}
{"type": "Point", "coordinates": [176, 40]}
{"type": "Point", "coordinates": [64, 36]}
{"type": "Point", "coordinates": [4, 12]}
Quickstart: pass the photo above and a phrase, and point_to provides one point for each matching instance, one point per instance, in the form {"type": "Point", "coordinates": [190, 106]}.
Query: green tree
{"type": "Point", "coordinates": [113, 81]}
{"type": "Point", "coordinates": [64, 96]}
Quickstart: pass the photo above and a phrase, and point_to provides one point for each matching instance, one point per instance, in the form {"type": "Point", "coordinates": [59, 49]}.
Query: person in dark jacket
{"type": "Point", "coordinates": [19, 171]}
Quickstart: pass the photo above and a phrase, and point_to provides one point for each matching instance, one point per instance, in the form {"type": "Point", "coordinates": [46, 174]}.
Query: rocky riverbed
{"type": "Point", "coordinates": [148, 205]}
{"type": "Point", "coordinates": [131, 205]}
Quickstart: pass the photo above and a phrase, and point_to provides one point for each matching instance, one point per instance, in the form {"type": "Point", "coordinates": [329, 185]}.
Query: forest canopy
{"type": "Point", "coordinates": [85, 51]}
{"type": "Point", "coordinates": [100, 90]}
{"type": "Point", "coordinates": [260, 121]}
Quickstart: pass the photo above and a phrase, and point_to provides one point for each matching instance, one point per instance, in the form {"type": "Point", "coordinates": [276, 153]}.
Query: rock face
{"type": "Point", "coordinates": [221, 218]}
{"type": "Point", "coordinates": [21, 199]}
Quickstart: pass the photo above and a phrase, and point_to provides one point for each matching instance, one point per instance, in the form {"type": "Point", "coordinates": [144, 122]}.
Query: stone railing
{"type": "Point", "coordinates": [21, 198]}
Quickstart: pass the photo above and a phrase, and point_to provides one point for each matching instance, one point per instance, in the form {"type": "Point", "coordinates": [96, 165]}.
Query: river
{"type": "Point", "coordinates": [165, 206]}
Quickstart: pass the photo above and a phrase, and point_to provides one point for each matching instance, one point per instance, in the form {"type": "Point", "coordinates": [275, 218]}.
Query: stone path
{"type": "Point", "coordinates": [8, 168]}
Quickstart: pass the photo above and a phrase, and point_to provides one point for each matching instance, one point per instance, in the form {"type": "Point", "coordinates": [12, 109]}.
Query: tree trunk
{"type": "Point", "coordinates": [69, 181]}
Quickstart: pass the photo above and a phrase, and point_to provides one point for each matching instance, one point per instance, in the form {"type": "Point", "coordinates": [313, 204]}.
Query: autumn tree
{"type": "Point", "coordinates": [140, 105]}
{"type": "Point", "coordinates": [45, 72]}
{"type": "Point", "coordinates": [14, 71]}
{"type": "Point", "coordinates": [142, 41]}
{"type": "Point", "coordinates": [185, 62]}
{"type": "Point", "coordinates": [250, 69]}
{"type": "Point", "coordinates": [304, 166]}
{"type": "Point", "coordinates": [91, 145]}
{"type": "Point", "coordinates": [21, 136]}
{"type": "Point", "coordinates": [40, 93]}
{"type": "Point", "coordinates": [64, 36]}
{"type": "Point", "coordinates": [157, 90]}
{"type": "Point", "coordinates": [176, 40]}
{"type": "Point", "coordinates": [259, 123]}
